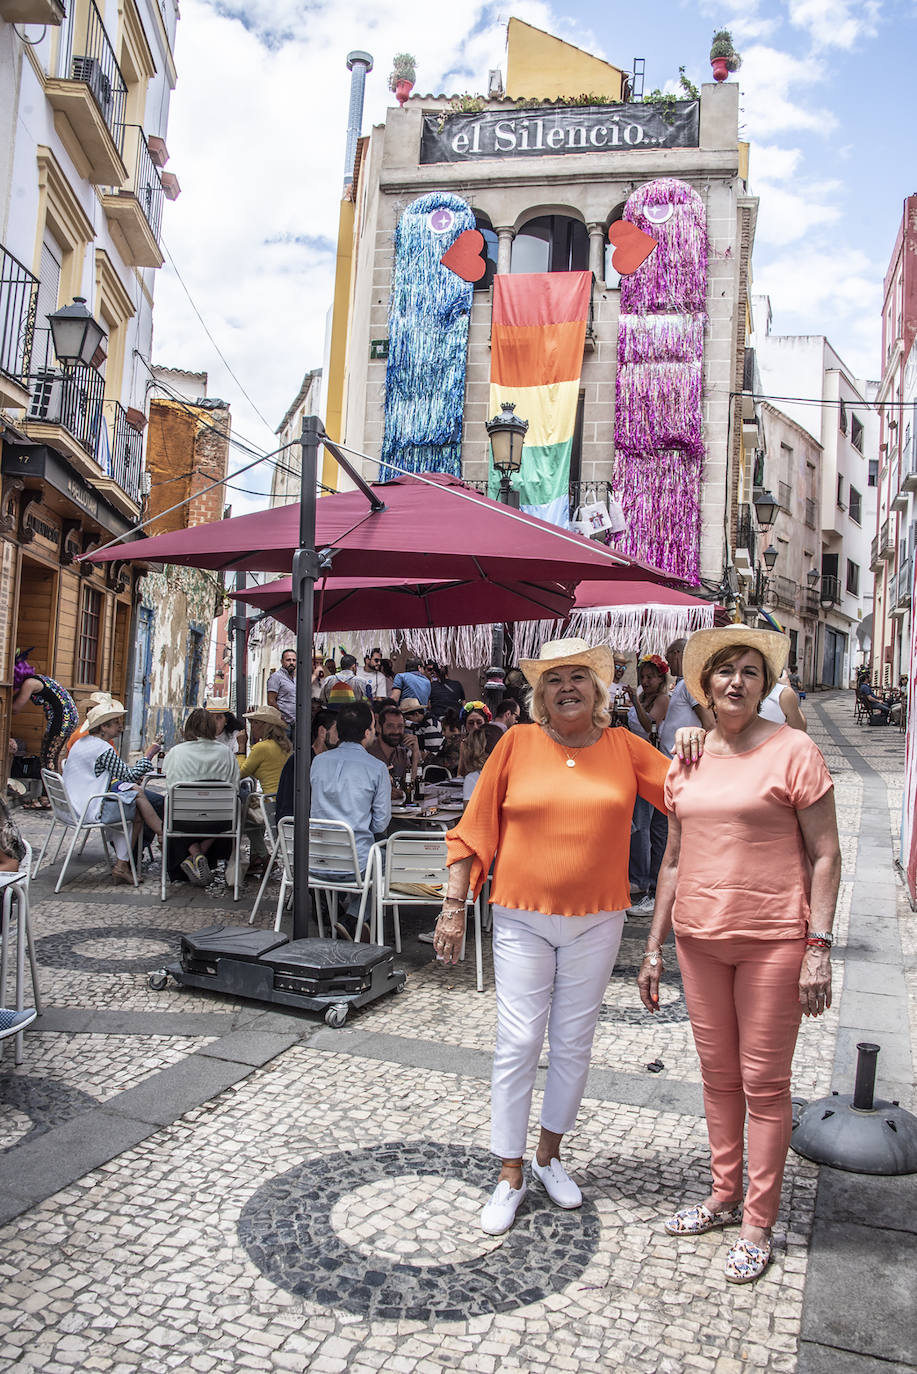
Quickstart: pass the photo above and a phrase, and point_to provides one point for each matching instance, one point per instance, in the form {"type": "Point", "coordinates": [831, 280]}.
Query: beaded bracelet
{"type": "Point", "coordinates": [812, 942]}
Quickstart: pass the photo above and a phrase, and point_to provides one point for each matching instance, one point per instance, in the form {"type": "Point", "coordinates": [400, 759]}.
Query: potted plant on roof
{"type": "Point", "coordinates": [403, 76]}
{"type": "Point", "coordinates": [723, 56]}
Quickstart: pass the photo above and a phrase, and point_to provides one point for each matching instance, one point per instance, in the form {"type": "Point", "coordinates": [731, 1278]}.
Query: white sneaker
{"type": "Point", "coordinates": [644, 907]}
{"type": "Point", "coordinates": [427, 937]}
{"type": "Point", "coordinates": [500, 1213]}
{"type": "Point", "coordinates": [558, 1184]}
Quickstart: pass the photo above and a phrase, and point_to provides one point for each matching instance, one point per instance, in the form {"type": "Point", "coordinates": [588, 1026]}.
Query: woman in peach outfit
{"type": "Point", "coordinates": [749, 881]}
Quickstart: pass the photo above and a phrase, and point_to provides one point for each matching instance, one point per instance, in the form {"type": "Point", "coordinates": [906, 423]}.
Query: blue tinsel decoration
{"type": "Point", "coordinates": [428, 317]}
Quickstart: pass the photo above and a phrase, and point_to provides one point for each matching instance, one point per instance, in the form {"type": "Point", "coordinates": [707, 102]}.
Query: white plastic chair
{"type": "Point", "coordinates": [407, 863]}
{"type": "Point", "coordinates": [201, 805]}
{"type": "Point", "coordinates": [15, 905]}
{"type": "Point", "coordinates": [334, 867]}
{"type": "Point", "coordinates": [64, 815]}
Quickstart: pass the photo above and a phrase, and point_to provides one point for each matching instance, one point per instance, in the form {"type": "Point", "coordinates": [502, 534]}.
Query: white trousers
{"type": "Point", "coordinates": [549, 971]}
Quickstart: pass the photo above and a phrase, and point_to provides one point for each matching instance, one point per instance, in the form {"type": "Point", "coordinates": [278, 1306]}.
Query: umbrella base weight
{"type": "Point", "coordinates": [329, 976]}
{"type": "Point", "coordinates": [882, 1140]}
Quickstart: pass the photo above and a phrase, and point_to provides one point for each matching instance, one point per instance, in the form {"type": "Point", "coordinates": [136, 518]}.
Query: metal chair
{"type": "Point", "coordinates": [334, 867]}
{"type": "Point", "coordinates": [411, 871]}
{"type": "Point", "coordinates": [64, 815]}
{"type": "Point", "coordinates": [435, 772]}
{"type": "Point", "coordinates": [202, 805]}
{"type": "Point", "coordinates": [14, 893]}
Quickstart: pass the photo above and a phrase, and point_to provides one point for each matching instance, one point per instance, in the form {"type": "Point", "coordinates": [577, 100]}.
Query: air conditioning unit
{"type": "Point", "coordinates": [89, 69]}
{"type": "Point", "coordinates": [45, 400]}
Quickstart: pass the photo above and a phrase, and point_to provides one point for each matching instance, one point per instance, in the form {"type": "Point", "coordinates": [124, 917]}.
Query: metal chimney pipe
{"type": "Point", "coordinates": [359, 64]}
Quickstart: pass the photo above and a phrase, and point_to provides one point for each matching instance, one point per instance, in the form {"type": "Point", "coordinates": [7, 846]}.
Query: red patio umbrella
{"type": "Point", "coordinates": [432, 527]}
{"type": "Point", "coordinates": [360, 603]}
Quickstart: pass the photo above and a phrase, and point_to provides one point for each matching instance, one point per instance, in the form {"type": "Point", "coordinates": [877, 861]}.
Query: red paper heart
{"type": "Point", "coordinates": [632, 246]}
{"type": "Point", "coordinates": [464, 257]}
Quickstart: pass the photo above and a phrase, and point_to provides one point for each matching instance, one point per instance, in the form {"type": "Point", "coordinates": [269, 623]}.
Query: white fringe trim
{"type": "Point", "coordinates": [647, 629]}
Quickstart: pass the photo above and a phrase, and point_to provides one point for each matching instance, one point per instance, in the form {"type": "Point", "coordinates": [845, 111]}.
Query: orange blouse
{"type": "Point", "coordinates": [561, 835]}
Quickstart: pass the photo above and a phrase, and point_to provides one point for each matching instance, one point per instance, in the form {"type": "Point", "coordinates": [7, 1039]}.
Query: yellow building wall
{"type": "Point", "coordinates": [337, 361]}
{"type": "Point", "coordinates": [540, 67]}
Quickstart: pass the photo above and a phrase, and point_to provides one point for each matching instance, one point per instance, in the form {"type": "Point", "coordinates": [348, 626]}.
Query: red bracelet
{"type": "Point", "coordinates": [817, 944]}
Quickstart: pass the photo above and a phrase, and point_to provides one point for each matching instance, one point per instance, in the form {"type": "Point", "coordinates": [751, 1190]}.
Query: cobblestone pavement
{"type": "Point", "coordinates": [193, 1183]}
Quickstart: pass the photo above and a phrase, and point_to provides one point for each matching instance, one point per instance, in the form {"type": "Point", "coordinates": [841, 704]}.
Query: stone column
{"type": "Point", "coordinates": [597, 250]}
{"type": "Point", "coordinates": [504, 248]}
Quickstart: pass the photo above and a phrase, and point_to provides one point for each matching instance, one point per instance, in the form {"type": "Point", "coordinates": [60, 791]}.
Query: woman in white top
{"type": "Point", "coordinates": [476, 750]}
{"type": "Point", "coordinates": [781, 705]}
{"type": "Point", "coordinates": [199, 758]}
{"type": "Point", "coordinates": [229, 729]}
{"type": "Point", "coordinates": [94, 766]}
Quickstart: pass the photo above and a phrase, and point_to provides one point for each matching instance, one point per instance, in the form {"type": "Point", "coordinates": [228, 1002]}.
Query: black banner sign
{"type": "Point", "coordinates": [547, 132]}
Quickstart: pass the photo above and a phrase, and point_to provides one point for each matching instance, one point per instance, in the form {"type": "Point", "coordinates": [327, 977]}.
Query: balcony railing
{"type": "Point", "coordinates": [908, 480]}
{"type": "Point", "coordinates": [811, 513]}
{"type": "Point", "coordinates": [785, 589]}
{"type": "Point", "coordinates": [785, 495]}
{"type": "Point", "coordinates": [747, 533]}
{"type": "Point", "coordinates": [808, 607]}
{"type": "Point", "coordinates": [137, 207]}
{"type": "Point", "coordinates": [125, 451]}
{"type": "Point", "coordinates": [887, 540]}
{"type": "Point", "coordinates": [830, 591]}
{"type": "Point", "coordinates": [71, 396]}
{"type": "Point", "coordinates": [91, 58]}
{"type": "Point", "coordinates": [18, 301]}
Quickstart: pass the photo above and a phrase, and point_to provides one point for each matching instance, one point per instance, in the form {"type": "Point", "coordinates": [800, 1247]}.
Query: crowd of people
{"type": "Point", "coordinates": [680, 787]}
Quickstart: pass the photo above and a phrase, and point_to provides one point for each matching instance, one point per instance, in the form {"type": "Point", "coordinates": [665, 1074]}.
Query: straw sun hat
{"type": "Point", "coordinates": [268, 714]}
{"type": "Point", "coordinates": [559, 653]}
{"type": "Point", "coordinates": [703, 644]}
{"type": "Point", "coordinates": [106, 710]}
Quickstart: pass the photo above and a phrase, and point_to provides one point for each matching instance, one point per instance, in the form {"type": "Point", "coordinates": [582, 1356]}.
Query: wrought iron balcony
{"type": "Point", "coordinates": [830, 594]}
{"type": "Point", "coordinates": [92, 93]}
{"type": "Point", "coordinates": [747, 535]}
{"type": "Point", "coordinates": [887, 539]}
{"type": "Point", "coordinates": [784, 590]}
{"type": "Point", "coordinates": [900, 587]}
{"type": "Point", "coordinates": [811, 514]}
{"type": "Point", "coordinates": [785, 495]}
{"type": "Point", "coordinates": [70, 398]}
{"type": "Point", "coordinates": [909, 465]}
{"type": "Point", "coordinates": [136, 208]}
{"type": "Point", "coordinates": [123, 463]}
{"type": "Point", "coordinates": [808, 607]}
{"type": "Point", "coordinates": [18, 301]}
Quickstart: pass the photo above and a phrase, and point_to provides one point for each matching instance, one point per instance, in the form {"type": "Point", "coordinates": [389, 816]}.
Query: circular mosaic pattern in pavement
{"type": "Point", "coordinates": [392, 1233]}
{"type": "Point", "coordinates": [44, 1102]}
{"type": "Point", "coordinates": [671, 1008]}
{"type": "Point", "coordinates": [109, 949]}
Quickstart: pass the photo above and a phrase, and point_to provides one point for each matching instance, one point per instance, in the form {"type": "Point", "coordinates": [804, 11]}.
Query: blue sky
{"type": "Point", "coordinates": [257, 129]}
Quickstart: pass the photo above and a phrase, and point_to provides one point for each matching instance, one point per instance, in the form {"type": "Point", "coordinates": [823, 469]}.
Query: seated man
{"type": "Point", "coordinates": [422, 726]}
{"type": "Point", "coordinates": [868, 697]}
{"type": "Point", "coordinates": [507, 713]}
{"type": "Point", "coordinates": [397, 749]}
{"type": "Point", "coordinates": [349, 784]}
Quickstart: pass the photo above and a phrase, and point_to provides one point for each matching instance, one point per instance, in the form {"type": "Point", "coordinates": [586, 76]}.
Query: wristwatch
{"type": "Point", "coordinates": [824, 935]}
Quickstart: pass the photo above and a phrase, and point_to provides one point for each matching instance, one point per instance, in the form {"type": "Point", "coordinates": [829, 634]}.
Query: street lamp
{"type": "Point", "coordinates": [770, 556]}
{"type": "Point", "coordinates": [507, 433]}
{"type": "Point", "coordinates": [813, 577]}
{"type": "Point", "coordinates": [766, 508]}
{"type": "Point", "coordinates": [75, 333]}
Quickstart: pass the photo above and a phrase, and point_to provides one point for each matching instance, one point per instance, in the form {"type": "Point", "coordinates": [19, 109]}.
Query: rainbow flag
{"type": "Point", "coordinates": [537, 338]}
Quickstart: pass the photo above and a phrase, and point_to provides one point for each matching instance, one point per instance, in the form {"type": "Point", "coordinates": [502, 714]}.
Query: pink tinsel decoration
{"type": "Point", "coordinates": [659, 386]}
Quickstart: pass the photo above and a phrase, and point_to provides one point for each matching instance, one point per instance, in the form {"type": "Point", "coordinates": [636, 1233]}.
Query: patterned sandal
{"type": "Point", "coordinates": [747, 1261]}
{"type": "Point", "coordinates": [694, 1221]}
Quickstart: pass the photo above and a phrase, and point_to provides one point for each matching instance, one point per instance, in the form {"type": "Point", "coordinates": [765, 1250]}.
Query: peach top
{"type": "Point", "coordinates": [743, 868]}
{"type": "Point", "coordinates": [561, 835]}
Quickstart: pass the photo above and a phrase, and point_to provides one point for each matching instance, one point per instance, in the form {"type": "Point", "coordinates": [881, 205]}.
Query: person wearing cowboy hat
{"type": "Point", "coordinates": [749, 882]}
{"type": "Point", "coordinates": [229, 729]}
{"type": "Point", "coordinates": [271, 747]}
{"type": "Point", "coordinates": [94, 766]}
{"type": "Point", "coordinates": [553, 803]}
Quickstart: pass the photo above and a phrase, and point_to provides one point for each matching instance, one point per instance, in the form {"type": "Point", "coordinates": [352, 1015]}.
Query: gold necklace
{"type": "Point", "coordinates": [571, 761]}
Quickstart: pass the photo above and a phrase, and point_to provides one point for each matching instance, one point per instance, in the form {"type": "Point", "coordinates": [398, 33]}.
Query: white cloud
{"type": "Point", "coordinates": [769, 78]}
{"type": "Point", "coordinates": [840, 287]}
{"type": "Point", "coordinates": [836, 23]}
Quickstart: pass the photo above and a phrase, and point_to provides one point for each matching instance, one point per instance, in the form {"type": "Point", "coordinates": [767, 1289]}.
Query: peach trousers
{"type": "Point", "coordinates": [743, 1000]}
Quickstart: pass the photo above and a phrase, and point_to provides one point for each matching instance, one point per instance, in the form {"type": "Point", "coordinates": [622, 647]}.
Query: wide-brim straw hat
{"type": "Point", "coordinates": [556, 653]}
{"type": "Point", "coordinates": [106, 710]}
{"type": "Point", "coordinates": [774, 648]}
{"type": "Point", "coordinates": [407, 704]}
{"type": "Point", "coordinates": [97, 699]}
{"type": "Point", "coordinates": [268, 714]}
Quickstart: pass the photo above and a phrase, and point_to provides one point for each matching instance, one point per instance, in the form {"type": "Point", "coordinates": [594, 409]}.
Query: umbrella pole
{"type": "Point", "coordinates": [305, 571]}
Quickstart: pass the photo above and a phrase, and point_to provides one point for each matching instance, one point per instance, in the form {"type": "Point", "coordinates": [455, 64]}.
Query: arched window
{"type": "Point", "coordinates": [551, 243]}
{"type": "Point", "coordinates": [491, 246]}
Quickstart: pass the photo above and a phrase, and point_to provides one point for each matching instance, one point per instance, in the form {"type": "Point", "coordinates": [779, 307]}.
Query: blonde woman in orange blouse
{"type": "Point", "coordinates": [553, 803]}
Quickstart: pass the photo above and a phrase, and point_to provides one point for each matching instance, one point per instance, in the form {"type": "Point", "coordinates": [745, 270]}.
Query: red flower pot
{"type": "Point", "coordinates": [402, 91]}
{"type": "Point", "coordinates": [720, 69]}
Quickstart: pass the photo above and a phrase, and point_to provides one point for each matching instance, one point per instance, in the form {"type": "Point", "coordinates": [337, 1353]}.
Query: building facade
{"type": "Point", "coordinates": [84, 98]}
{"type": "Point", "coordinates": [893, 549]}
{"type": "Point", "coordinates": [806, 380]}
{"type": "Point", "coordinates": [650, 408]}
